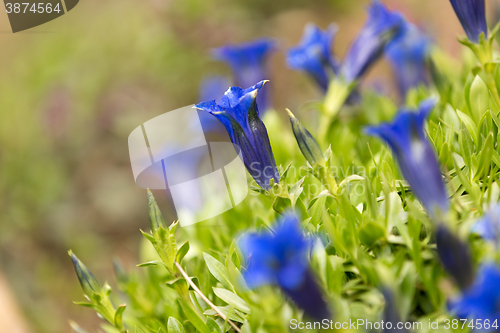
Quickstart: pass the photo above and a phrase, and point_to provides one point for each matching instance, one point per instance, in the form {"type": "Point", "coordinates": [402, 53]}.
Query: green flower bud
{"type": "Point", "coordinates": [155, 216]}
{"type": "Point", "coordinates": [307, 143]}
{"type": "Point", "coordinates": [87, 279]}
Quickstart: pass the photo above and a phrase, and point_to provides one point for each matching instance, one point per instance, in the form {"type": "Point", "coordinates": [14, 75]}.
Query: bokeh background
{"type": "Point", "coordinates": [73, 89]}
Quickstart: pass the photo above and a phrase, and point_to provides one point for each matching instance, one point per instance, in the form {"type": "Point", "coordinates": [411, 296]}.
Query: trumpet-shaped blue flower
{"type": "Point", "coordinates": [382, 27]}
{"type": "Point", "coordinates": [408, 58]}
{"type": "Point", "coordinates": [248, 64]}
{"type": "Point", "coordinates": [471, 14]}
{"type": "Point", "coordinates": [314, 56]}
{"type": "Point", "coordinates": [281, 258]}
{"type": "Point", "coordinates": [416, 157]}
{"type": "Point", "coordinates": [488, 227]}
{"type": "Point", "coordinates": [237, 111]}
{"type": "Point", "coordinates": [482, 299]}
{"type": "Point", "coordinates": [455, 256]}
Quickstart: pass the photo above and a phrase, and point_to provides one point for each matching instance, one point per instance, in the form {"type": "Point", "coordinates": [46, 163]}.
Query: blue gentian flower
{"type": "Point", "coordinates": [391, 312]}
{"type": "Point", "coordinates": [455, 256]}
{"type": "Point", "coordinates": [488, 227]}
{"type": "Point", "coordinates": [471, 14]}
{"type": "Point", "coordinates": [314, 54]}
{"type": "Point", "coordinates": [248, 64]}
{"type": "Point", "coordinates": [381, 28]}
{"type": "Point", "coordinates": [408, 58]}
{"type": "Point", "coordinates": [482, 299]}
{"type": "Point", "coordinates": [416, 157]}
{"type": "Point", "coordinates": [281, 258]}
{"type": "Point", "coordinates": [237, 111]}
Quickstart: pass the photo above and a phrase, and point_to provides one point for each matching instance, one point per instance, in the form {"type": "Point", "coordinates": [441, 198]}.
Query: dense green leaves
{"type": "Point", "coordinates": [371, 237]}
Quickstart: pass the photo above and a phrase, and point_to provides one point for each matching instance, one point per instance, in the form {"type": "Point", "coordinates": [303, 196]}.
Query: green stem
{"type": "Point", "coordinates": [328, 180]}
{"type": "Point", "coordinates": [335, 98]}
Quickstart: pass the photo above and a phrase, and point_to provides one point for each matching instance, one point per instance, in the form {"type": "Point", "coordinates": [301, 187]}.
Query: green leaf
{"type": "Point", "coordinates": [149, 237]}
{"type": "Point", "coordinates": [282, 205]}
{"type": "Point", "coordinates": [323, 194]}
{"type": "Point", "coordinates": [350, 179]}
{"type": "Point", "coordinates": [444, 153]}
{"type": "Point", "coordinates": [151, 263]}
{"type": "Point", "coordinates": [229, 311]}
{"type": "Point", "coordinates": [119, 315]}
{"type": "Point", "coordinates": [218, 270]}
{"type": "Point", "coordinates": [479, 99]}
{"type": "Point", "coordinates": [485, 157]}
{"type": "Point", "coordinates": [295, 191]}
{"type": "Point", "coordinates": [370, 233]}
{"type": "Point", "coordinates": [466, 145]}
{"type": "Point", "coordinates": [175, 326]}
{"type": "Point", "coordinates": [182, 251]}
{"type": "Point", "coordinates": [284, 174]}
{"type": "Point", "coordinates": [96, 298]}
{"type": "Point", "coordinates": [232, 299]}
{"type": "Point", "coordinates": [469, 124]}
{"type": "Point", "coordinates": [194, 318]}
{"type": "Point", "coordinates": [246, 327]}
{"type": "Point", "coordinates": [212, 325]}
{"type": "Point", "coordinates": [156, 218]}
{"type": "Point", "coordinates": [84, 304]}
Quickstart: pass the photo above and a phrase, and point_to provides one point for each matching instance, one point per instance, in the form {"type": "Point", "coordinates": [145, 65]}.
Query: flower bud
{"type": "Point", "coordinates": [87, 279]}
{"type": "Point", "coordinates": [307, 143]}
{"type": "Point", "coordinates": [156, 218]}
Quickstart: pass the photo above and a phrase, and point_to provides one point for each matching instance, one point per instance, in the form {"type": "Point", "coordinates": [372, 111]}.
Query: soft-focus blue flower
{"type": "Point", "coordinates": [381, 28]}
{"type": "Point", "coordinates": [455, 256]}
{"type": "Point", "coordinates": [314, 54]}
{"type": "Point", "coordinates": [281, 258]}
{"type": "Point", "coordinates": [482, 299]}
{"type": "Point", "coordinates": [488, 227]}
{"type": "Point", "coordinates": [471, 14]}
{"type": "Point", "coordinates": [248, 64]}
{"type": "Point", "coordinates": [408, 58]}
{"type": "Point", "coordinates": [391, 312]}
{"type": "Point", "coordinates": [416, 157]}
{"type": "Point", "coordinates": [211, 88]}
{"type": "Point", "coordinates": [237, 111]}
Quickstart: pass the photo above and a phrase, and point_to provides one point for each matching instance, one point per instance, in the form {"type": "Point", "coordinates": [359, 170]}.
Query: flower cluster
{"type": "Point", "coordinates": [314, 56]}
{"type": "Point", "coordinates": [427, 217]}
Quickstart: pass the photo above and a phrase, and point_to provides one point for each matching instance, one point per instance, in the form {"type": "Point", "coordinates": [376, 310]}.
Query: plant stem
{"type": "Point", "coordinates": [212, 305]}
{"type": "Point", "coordinates": [337, 94]}
{"type": "Point", "coordinates": [328, 180]}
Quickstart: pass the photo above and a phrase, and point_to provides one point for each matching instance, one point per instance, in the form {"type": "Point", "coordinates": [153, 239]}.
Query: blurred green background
{"type": "Point", "coordinates": [73, 89]}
